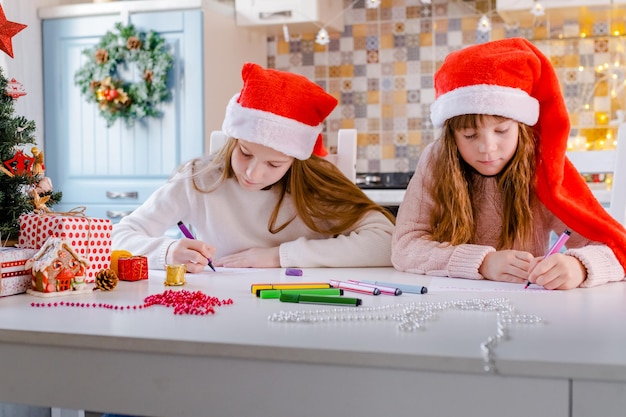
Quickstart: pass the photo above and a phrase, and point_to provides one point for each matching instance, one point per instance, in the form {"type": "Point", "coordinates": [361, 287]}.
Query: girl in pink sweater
{"type": "Point", "coordinates": [487, 194]}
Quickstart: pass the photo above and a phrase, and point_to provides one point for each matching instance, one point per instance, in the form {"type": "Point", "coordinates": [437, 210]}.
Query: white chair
{"type": "Point", "coordinates": [216, 141]}
{"type": "Point", "coordinates": [607, 162]}
{"type": "Point", "coordinates": [344, 159]}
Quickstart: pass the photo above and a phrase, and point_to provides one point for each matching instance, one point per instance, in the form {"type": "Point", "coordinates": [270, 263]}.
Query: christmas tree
{"type": "Point", "coordinates": [23, 184]}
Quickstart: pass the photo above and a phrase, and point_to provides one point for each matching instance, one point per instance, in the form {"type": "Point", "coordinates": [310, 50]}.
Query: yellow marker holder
{"type": "Point", "coordinates": [175, 274]}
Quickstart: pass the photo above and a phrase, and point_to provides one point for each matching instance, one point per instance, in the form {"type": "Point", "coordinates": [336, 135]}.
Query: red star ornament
{"type": "Point", "coordinates": [20, 164]}
{"type": "Point", "coordinates": [7, 31]}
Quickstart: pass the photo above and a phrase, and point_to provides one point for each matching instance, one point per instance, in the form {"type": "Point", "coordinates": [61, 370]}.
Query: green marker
{"type": "Point", "coordinates": [316, 291]}
{"type": "Point", "coordinates": [320, 299]}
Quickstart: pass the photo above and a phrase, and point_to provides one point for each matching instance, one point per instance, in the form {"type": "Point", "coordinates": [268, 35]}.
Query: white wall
{"type": "Point", "coordinates": [226, 48]}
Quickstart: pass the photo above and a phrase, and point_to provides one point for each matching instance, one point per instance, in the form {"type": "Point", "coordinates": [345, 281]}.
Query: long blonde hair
{"type": "Point", "coordinates": [325, 199]}
{"type": "Point", "coordinates": [452, 219]}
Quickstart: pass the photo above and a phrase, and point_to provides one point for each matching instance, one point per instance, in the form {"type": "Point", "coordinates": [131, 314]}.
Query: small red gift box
{"type": "Point", "coordinates": [89, 237]}
{"type": "Point", "coordinates": [133, 268]}
{"type": "Point", "coordinates": [14, 279]}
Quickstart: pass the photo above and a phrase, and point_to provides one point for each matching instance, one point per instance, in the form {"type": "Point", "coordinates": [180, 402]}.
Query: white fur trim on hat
{"type": "Point", "coordinates": [283, 134]}
{"type": "Point", "coordinates": [495, 100]}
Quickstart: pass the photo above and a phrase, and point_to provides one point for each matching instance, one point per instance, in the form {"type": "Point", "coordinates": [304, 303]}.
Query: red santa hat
{"type": "Point", "coordinates": [513, 79]}
{"type": "Point", "coordinates": [281, 110]}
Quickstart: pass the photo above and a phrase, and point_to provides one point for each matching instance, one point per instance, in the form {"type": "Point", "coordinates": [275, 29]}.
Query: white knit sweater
{"type": "Point", "coordinates": [232, 219]}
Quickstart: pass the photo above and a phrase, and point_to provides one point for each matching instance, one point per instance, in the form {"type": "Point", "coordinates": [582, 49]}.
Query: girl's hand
{"type": "Point", "coordinates": [507, 266]}
{"type": "Point", "coordinates": [557, 272]}
{"type": "Point", "coordinates": [251, 258]}
{"type": "Point", "coordinates": [195, 254]}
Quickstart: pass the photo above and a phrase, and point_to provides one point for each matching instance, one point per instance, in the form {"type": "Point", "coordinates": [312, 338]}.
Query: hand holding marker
{"type": "Point", "coordinates": [188, 235]}
{"type": "Point", "coordinates": [555, 247]}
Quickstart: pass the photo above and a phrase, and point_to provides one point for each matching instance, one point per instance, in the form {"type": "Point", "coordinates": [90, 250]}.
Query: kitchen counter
{"type": "Point", "coordinates": [386, 197]}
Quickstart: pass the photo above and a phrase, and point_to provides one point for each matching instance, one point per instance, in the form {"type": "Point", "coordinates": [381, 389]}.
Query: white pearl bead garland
{"type": "Point", "coordinates": [414, 316]}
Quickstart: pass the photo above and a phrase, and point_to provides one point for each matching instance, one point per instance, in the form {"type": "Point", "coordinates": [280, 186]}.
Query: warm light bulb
{"type": "Point", "coordinates": [322, 37]}
{"type": "Point", "coordinates": [537, 9]}
{"type": "Point", "coordinates": [484, 24]}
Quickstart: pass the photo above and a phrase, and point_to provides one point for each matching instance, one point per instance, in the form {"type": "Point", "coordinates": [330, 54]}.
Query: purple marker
{"type": "Point", "coordinates": [188, 235]}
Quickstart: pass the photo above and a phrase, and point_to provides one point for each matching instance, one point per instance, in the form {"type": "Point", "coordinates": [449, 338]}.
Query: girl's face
{"type": "Point", "coordinates": [490, 146]}
{"type": "Point", "coordinates": [257, 166]}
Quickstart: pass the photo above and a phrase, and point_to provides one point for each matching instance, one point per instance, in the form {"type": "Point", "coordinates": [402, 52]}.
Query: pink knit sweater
{"type": "Point", "coordinates": [412, 251]}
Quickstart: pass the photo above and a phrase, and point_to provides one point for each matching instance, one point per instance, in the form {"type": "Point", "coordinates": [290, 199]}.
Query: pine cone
{"type": "Point", "coordinates": [106, 280]}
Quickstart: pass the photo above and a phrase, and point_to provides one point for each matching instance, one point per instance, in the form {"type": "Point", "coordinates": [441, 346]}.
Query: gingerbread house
{"type": "Point", "coordinates": [57, 269]}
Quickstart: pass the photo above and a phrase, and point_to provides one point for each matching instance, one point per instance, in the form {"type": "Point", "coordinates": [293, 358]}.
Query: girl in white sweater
{"type": "Point", "coordinates": [266, 199]}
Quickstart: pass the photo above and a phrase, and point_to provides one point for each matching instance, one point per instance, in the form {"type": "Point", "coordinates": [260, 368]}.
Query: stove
{"type": "Point", "coordinates": [383, 180]}
{"type": "Point", "coordinates": [385, 188]}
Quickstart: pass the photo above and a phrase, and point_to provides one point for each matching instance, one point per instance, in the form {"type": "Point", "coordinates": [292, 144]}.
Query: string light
{"type": "Point", "coordinates": [322, 37]}
{"type": "Point", "coordinates": [484, 24]}
{"type": "Point", "coordinates": [286, 33]}
{"type": "Point", "coordinates": [537, 9]}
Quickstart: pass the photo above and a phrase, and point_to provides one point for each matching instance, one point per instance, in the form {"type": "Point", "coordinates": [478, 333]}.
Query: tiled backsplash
{"type": "Point", "coordinates": [381, 69]}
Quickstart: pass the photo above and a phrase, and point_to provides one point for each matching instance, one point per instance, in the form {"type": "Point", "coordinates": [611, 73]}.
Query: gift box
{"type": "Point", "coordinates": [88, 237]}
{"type": "Point", "coordinates": [14, 277]}
{"type": "Point", "coordinates": [133, 268]}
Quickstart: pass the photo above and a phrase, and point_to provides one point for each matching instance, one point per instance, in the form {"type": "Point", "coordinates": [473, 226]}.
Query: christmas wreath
{"type": "Point", "coordinates": [101, 82]}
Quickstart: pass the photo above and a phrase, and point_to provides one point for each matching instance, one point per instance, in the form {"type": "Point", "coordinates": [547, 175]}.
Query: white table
{"type": "Point", "coordinates": [237, 363]}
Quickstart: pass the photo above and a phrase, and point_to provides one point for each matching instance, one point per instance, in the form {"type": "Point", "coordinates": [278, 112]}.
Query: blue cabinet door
{"type": "Point", "coordinates": [113, 170]}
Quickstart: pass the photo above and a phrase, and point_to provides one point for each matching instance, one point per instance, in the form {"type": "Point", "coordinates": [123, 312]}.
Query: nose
{"type": "Point", "coordinates": [487, 143]}
{"type": "Point", "coordinates": [253, 170]}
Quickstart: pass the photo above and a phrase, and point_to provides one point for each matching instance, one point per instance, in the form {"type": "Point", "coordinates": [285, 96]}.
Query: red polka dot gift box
{"type": "Point", "coordinates": [89, 237]}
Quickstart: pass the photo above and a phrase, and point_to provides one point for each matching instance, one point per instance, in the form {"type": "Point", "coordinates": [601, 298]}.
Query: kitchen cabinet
{"type": "Point", "coordinates": [306, 16]}
{"type": "Point", "coordinates": [519, 11]}
{"type": "Point", "coordinates": [526, 5]}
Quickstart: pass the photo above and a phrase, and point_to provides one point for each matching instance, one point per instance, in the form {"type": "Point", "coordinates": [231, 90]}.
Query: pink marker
{"type": "Point", "coordinates": [555, 247]}
{"type": "Point", "coordinates": [351, 286]}
{"type": "Point", "coordinates": [383, 289]}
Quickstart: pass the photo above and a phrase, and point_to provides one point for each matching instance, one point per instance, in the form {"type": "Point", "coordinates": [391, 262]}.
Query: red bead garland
{"type": "Point", "coordinates": [184, 302]}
